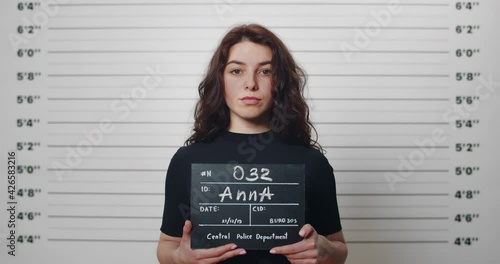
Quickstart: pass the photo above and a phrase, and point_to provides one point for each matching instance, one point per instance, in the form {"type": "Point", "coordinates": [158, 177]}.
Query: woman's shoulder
{"type": "Point", "coordinates": [310, 156]}
{"type": "Point", "coordinates": [186, 150]}
{"type": "Point", "coordinates": [308, 152]}
{"type": "Point", "coordinates": [314, 158]}
{"type": "Point", "coordinates": [190, 151]}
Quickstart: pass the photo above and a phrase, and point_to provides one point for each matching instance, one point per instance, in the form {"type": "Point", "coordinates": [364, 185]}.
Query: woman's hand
{"type": "Point", "coordinates": [184, 253]}
{"type": "Point", "coordinates": [313, 249]}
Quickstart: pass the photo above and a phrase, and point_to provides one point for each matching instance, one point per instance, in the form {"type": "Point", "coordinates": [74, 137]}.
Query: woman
{"type": "Point", "coordinates": [252, 110]}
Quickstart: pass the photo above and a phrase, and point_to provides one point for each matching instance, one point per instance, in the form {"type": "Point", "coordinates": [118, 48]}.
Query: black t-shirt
{"type": "Point", "coordinates": [321, 210]}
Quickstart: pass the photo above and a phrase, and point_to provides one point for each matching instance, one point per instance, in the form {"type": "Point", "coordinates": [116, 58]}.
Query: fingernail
{"type": "Point", "coordinates": [234, 246]}
{"type": "Point", "coordinates": [272, 251]}
{"type": "Point", "coordinates": [243, 252]}
{"type": "Point", "coordinates": [301, 233]}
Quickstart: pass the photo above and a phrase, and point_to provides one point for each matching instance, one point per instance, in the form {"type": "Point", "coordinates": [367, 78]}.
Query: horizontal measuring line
{"type": "Point", "coordinates": [150, 134]}
{"type": "Point", "coordinates": [116, 146]}
{"type": "Point", "coordinates": [399, 242]}
{"type": "Point", "coordinates": [395, 218]}
{"type": "Point", "coordinates": [103, 169]}
{"type": "Point", "coordinates": [376, 51]}
{"type": "Point", "coordinates": [156, 241]}
{"type": "Point", "coordinates": [397, 230]}
{"type": "Point", "coordinates": [392, 194]}
{"type": "Point", "coordinates": [377, 99]}
{"type": "Point", "coordinates": [382, 123]}
{"type": "Point", "coordinates": [162, 158]}
{"type": "Point", "coordinates": [178, 122]}
{"type": "Point", "coordinates": [237, 225]}
{"type": "Point", "coordinates": [98, 228]}
{"type": "Point", "coordinates": [201, 51]}
{"type": "Point", "coordinates": [254, 16]}
{"type": "Point", "coordinates": [311, 62]}
{"type": "Point", "coordinates": [107, 205]}
{"type": "Point", "coordinates": [113, 98]}
{"type": "Point", "coordinates": [310, 87]}
{"type": "Point", "coordinates": [405, 171]}
{"type": "Point", "coordinates": [348, 158]}
{"type": "Point", "coordinates": [159, 110]}
{"type": "Point", "coordinates": [400, 183]}
{"type": "Point", "coordinates": [100, 181]}
{"type": "Point", "coordinates": [339, 194]}
{"type": "Point", "coordinates": [382, 75]}
{"type": "Point", "coordinates": [208, 14]}
{"type": "Point", "coordinates": [160, 39]}
{"type": "Point", "coordinates": [194, 98]}
{"type": "Point", "coordinates": [247, 3]}
{"type": "Point", "coordinates": [104, 216]}
{"type": "Point", "coordinates": [394, 206]}
{"type": "Point", "coordinates": [102, 193]}
{"type": "Point", "coordinates": [100, 240]}
{"type": "Point", "coordinates": [312, 74]}
{"type": "Point", "coordinates": [222, 27]}
{"type": "Point", "coordinates": [118, 74]}
{"type": "Point", "coordinates": [117, 122]}
{"type": "Point", "coordinates": [252, 183]}
{"type": "Point", "coordinates": [123, 51]}
{"type": "Point", "coordinates": [293, 51]}
{"type": "Point", "coordinates": [162, 170]}
{"type": "Point", "coordinates": [399, 147]}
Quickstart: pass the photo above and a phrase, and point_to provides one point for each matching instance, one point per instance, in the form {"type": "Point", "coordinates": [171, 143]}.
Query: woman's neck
{"type": "Point", "coordinates": [242, 126]}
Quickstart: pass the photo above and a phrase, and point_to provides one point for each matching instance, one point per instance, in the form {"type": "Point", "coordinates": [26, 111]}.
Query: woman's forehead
{"type": "Point", "coordinates": [248, 52]}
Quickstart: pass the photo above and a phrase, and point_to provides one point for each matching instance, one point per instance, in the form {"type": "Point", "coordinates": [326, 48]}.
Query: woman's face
{"type": "Point", "coordinates": [247, 84]}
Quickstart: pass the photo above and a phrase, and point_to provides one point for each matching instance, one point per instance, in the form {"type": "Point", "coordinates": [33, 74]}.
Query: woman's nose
{"type": "Point", "coordinates": [250, 83]}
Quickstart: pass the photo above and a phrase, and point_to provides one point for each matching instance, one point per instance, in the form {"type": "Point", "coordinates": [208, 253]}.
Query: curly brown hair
{"type": "Point", "coordinates": [289, 119]}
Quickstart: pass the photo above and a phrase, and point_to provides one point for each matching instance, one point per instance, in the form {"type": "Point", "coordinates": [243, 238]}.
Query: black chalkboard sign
{"type": "Point", "coordinates": [255, 206]}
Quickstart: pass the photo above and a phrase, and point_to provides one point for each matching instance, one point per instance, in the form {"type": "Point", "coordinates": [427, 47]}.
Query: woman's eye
{"type": "Point", "coordinates": [266, 71]}
{"type": "Point", "coordinates": [235, 71]}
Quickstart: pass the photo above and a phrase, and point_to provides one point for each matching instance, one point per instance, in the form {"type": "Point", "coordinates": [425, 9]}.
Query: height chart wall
{"type": "Point", "coordinates": [96, 97]}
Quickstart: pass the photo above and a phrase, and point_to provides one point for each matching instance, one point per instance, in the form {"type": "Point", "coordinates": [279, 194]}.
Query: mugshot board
{"type": "Point", "coordinates": [98, 95]}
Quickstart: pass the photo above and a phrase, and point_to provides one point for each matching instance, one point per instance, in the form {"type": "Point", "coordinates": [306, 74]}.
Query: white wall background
{"type": "Point", "coordinates": [115, 85]}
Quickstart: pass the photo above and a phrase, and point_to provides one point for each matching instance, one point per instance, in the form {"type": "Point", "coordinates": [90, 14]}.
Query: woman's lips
{"type": "Point", "coordinates": [250, 100]}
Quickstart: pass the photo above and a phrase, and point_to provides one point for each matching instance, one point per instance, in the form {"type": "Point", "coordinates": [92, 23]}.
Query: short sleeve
{"type": "Point", "coordinates": [322, 209]}
{"type": "Point", "coordinates": [177, 203]}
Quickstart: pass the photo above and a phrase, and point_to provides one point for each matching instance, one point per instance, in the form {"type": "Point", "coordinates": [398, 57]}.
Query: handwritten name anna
{"type": "Point", "coordinates": [242, 195]}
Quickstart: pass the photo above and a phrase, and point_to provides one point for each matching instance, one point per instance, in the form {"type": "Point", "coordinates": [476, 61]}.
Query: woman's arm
{"type": "Point", "coordinates": [337, 249]}
{"type": "Point", "coordinates": [166, 245]}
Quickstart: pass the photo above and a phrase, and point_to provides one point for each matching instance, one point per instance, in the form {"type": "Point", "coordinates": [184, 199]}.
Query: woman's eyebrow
{"type": "Point", "coordinates": [242, 63]}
